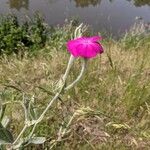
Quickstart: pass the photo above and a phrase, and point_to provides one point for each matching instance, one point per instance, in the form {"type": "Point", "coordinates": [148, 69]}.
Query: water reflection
{"type": "Point", "coordinates": [18, 4]}
{"type": "Point", "coordinates": [114, 16]}
{"type": "Point", "coordinates": [141, 2]}
{"type": "Point", "coordinates": [86, 3]}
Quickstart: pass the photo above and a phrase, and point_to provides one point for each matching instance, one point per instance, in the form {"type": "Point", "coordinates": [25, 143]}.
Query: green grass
{"type": "Point", "coordinates": [113, 98]}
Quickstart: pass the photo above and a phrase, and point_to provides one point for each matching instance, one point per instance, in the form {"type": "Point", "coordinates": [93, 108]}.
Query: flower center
{"type": "Point", "coordinates": [87, 42]}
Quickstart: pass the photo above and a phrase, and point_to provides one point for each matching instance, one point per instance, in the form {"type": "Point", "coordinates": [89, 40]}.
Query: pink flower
{"type": "Point", "coordinates": [86, 47]}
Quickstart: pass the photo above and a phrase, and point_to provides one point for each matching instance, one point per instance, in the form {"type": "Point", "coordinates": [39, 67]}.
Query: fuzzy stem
{"type": "Point", "coordinates": [84, 64]}
{"type": "Point", "coordinates": [56, 95]}
{"type": "Point", "coordinates": [20, 134]}
{"type": "Point", "coordinates": [71, 60]}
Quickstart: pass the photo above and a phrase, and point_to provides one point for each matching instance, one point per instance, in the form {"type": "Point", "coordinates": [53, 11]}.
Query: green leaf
{"type": "Point", "coordinates": [5, 135]}
{"type": "Point", "coordinates": [33, 112]}
{"type": "Point", "coordinates": [2, 111]}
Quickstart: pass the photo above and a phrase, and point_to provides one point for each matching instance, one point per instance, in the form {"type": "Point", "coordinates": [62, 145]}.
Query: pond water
{"type": "Point", "coordinates": [114, 16]}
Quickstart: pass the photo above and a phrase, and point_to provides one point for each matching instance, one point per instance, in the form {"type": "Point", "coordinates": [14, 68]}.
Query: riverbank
{"type": "Point", "coordinates": [112, 100]}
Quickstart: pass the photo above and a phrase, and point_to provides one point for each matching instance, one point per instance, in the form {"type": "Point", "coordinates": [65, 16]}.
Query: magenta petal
{"type": "Point", "coordinates": [97, 47]}
{"type": "Point", "coordinates": [81, 39]}
{"type": "Point", "coordinates": [81, 48]}
{"type": "Point", "coordinates": [101, 49]}
{"type": "Point", "coordinates": [91, 51]}
{"type": "Point", "coordinates": [86, 51]}
{"type": "Point", "coordinates": [96, 38]}
{"type": "Point", "coordinates": [86, 47]}
{"type": "Point", "coordinates": [71, 46]}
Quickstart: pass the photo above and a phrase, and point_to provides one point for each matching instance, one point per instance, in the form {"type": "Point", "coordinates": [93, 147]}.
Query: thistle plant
{"type": "Point", "coordinates": [83, 47]}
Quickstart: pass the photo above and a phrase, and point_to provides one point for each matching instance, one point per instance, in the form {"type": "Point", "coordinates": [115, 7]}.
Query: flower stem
{"type": "Point", "coordinates": [56, 95]}
{"type": "Point", "coordinates": [84, 64]}
{"type": "Point", "coordinates": [20, 134]}
{"type": "Point", "coordinates": [70, 63]}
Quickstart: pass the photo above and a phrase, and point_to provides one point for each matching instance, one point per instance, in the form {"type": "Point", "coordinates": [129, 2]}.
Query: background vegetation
{"type": "Point", "coordinates": [18, 38]}
{"type": "Point", "coordinates": [112, 100]}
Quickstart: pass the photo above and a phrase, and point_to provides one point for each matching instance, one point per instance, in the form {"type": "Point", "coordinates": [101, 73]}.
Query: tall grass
{"type": "Point", "coordinates": [112, 102]}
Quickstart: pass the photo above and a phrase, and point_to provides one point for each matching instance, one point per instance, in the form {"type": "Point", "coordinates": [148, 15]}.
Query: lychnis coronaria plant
{"type": "Point", "coordinates": [83, 47]}
{"type": "Point", "coordinates": [86, 48]}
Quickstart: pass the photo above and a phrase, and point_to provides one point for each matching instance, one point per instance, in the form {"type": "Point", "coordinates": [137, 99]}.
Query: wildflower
{"type": "Point", "coordinates": [86, 47]}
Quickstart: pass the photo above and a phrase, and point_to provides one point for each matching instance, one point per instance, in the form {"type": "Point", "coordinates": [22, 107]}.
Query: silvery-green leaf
{"type": "Point", "coordinates": [37, 140]}
{"type": "Point", "coordinates": [5, 121]}
{"type": "Point", "coordinates": [5, 135]}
